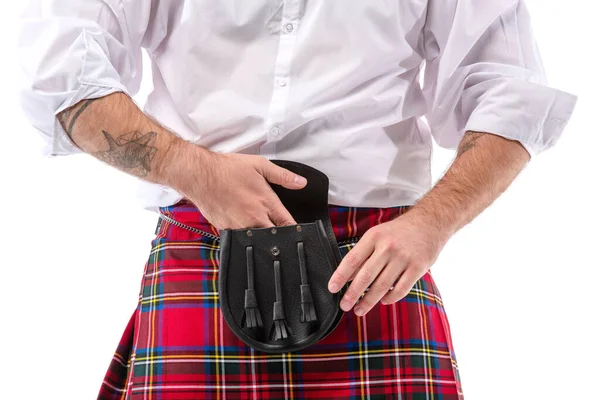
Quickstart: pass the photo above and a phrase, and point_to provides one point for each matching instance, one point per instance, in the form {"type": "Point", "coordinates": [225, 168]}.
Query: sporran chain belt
{"type": "Point", "coordinates": [352, 240]}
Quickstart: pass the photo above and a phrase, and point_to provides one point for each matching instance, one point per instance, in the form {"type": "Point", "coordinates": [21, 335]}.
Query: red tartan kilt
{"type": "Point", "coordinates": [177, 345]}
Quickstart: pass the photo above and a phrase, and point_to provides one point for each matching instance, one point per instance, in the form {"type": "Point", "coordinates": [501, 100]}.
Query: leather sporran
{"type": "Point", "coordinates": [273, 281]}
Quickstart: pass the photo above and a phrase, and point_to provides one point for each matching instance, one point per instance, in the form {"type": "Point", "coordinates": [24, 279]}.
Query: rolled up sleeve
{"type": "Point", "coordinates": [484, 73]}
{"type": "Point", "coordinates": [75, 50]}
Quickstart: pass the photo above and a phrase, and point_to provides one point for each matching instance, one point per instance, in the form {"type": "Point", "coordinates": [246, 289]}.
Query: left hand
{"type": "Point", "coordinates": [402, 249]}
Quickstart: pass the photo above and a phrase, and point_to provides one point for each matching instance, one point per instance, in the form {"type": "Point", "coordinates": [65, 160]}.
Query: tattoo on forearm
{"type": "Point", "coordinates": [468, 142]}
{"type": "Point", "coordinates": [67, 122]}
{"type": "Point", "coordinates": [132, 151]}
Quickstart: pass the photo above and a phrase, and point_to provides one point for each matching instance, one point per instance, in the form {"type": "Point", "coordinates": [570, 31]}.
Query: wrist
{"type": "Point", "coordinates": [438, 226]}
{"type": "Point", "coordinates": [180, 158]}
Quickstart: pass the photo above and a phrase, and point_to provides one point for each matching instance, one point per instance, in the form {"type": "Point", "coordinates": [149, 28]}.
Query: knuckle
{"type": "Point", "coordinates": [267, 202]}
{"type": "Point", "coordinates": [373, 233]}
{"type": "Point", "coordinates": [275, 220]}
{"type": "Point", "coordinates": [420, 261]}
{"type": "Point", "coordinates": [381, 287]}
{"type": "Point", "coordinates": [257, 222]}
{"type": "Point", "coordinates": [275, 213]}
{"type": "Point", "coordinates": [253, 218]}
{"type": "Point", "coordinates": [404, 254]}
{"type": "Point", "coordinates": [258, 219]}
{"type": "Point", "coordinates": [391, 246]}
{"type": "Point", "coordinates": [339, 276]}
{"type": "Point", "coordinates": [416, 264]}
{"type": "Point", "coordinates": [367, 302]}
{"type": "Point", "coordinates": [351, 294]}
{"type": "Point", "coordinates": [281, 219]}
{"type": "Point", "coordinates": [285, 176]}
{"type": "Point", "coordinates": [364, 277]}
{"type": "Point", "coordinates": [351, 259]}
{"type": "Point", "coordinates": [401, 291]}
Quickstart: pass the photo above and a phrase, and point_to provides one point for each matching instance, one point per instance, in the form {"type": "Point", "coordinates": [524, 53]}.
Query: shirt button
{"type": "Point", "coordinates": [281, 83]}
{"type": "Point", "coordinates": [289, 27]}
{"type": "Point", "coordinates": [275, 131]}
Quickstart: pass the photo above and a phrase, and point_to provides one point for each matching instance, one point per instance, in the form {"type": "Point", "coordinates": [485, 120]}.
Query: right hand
{"type": "Point", "coordinates": [233, 192]}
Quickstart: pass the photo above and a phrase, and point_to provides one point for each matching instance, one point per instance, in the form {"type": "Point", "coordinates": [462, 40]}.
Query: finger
{"type": "Point", "coordinates": [367, 274]}
{"type": "Point", "coordinates": [353, 275]}
{"type": "Point", "coordinates": [380, 287]}
{"type": "Point", "coordinates": [277, 213]}
{"type": "Point", "coordinates": [281, 176]}
{"type": "Point", "coordinates": [405, 283]}
{"type": "Point", "coordinates": [258, 222]}
{"type": "Point", "coordinates": [351, 262]}
{"type": "Point", "coordinates": [281, 216]}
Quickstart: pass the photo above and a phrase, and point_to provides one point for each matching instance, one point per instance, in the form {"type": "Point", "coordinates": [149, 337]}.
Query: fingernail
{"type": "Point", "coordinates": [300, 180]}
{"type": "Point", "coordinates": [359, 311]}
{"type": "Point", "coordinates": [334, 287]}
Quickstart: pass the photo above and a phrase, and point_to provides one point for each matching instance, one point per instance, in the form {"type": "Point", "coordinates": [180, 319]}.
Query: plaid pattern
{"type": "Point", "coordinates": [177, 345]}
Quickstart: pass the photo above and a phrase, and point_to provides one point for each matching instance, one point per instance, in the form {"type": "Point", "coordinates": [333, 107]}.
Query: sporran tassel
{"type": "Point", "coordinates": [307, 306]}
{"type": "Point", "coordinates": [251, 316]}
{"type": "Point", "coordinates": [280, 329]}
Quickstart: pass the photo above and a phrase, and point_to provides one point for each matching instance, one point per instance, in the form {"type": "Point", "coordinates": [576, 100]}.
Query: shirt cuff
{"type": "Point", "coordinates": [531, 113]}
{"type": "Point", "coordinates": [61, 143]}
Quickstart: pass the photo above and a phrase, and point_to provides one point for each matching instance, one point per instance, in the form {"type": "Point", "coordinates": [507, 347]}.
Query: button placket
{"type": "Point", "coordinates": [275, 121]}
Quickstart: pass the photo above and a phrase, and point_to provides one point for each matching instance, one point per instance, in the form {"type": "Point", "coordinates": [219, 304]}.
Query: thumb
{"type": "Point", "coordinates": [281, 176]}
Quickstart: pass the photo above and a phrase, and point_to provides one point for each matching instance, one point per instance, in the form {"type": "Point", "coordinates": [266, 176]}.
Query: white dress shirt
{"type": "Point", "coordinates": [331, 83]}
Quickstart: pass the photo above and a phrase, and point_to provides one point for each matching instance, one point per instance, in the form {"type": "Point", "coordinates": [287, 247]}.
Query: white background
{"type": "Point", "coordinates": [519, 284]}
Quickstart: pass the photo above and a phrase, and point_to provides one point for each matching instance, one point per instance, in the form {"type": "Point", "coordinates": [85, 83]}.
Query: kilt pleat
{"type": "Point", "coordinates": [177, 345]}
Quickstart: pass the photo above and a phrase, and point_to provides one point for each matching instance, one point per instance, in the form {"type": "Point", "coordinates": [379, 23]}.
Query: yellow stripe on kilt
{"type": "Point", "coordinates": [408, 351]}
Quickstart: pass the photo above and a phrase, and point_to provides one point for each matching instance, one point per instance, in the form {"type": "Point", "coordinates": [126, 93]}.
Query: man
{"type": "Point", "coordinates": [332, 84]}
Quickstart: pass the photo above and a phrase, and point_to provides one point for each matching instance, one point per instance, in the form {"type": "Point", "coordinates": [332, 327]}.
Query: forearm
{"type": "Point", "coordinates": [484, 167]}
{"type": "Point", "coordinates": [114, 130]}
